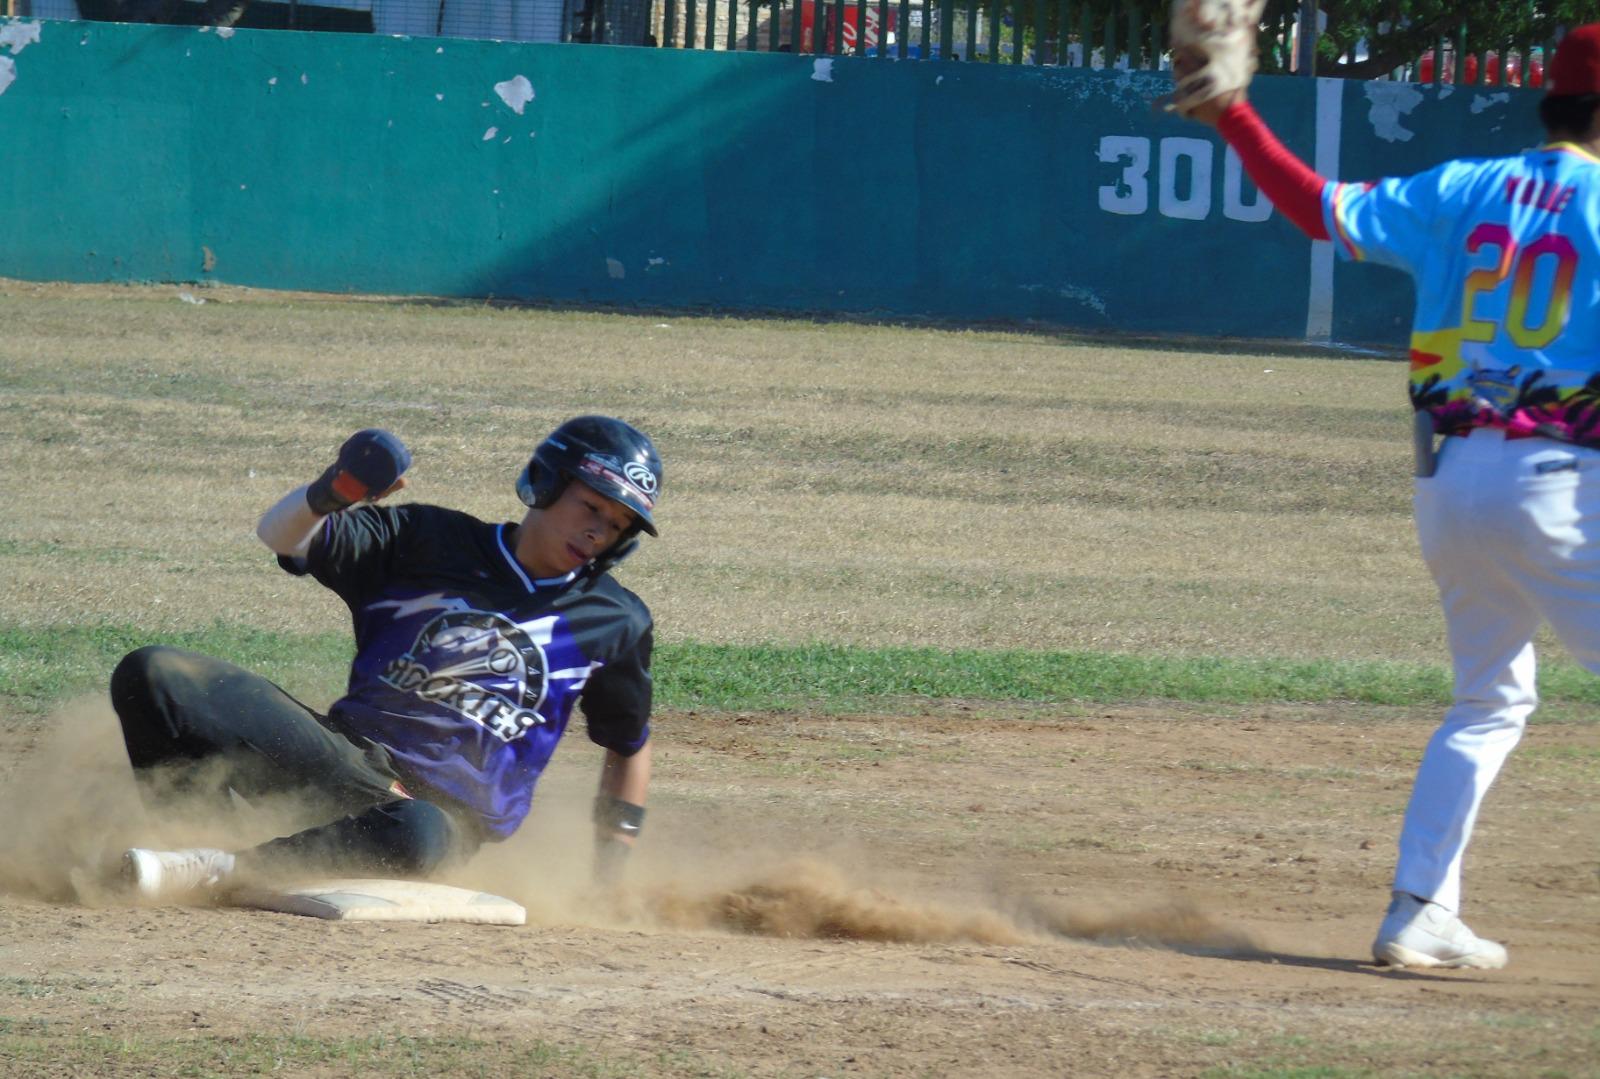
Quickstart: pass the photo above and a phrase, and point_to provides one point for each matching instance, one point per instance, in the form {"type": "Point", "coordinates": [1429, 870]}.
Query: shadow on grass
{"type": "Point", "coordinates": [1057, 333]}
{"type": "Point", "coordinates": [1048, 331]}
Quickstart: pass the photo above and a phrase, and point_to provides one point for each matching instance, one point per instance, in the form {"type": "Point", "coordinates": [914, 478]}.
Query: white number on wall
{"type": "Point", "coordinates": [1233, 204]}
{"type": "Point", "coordinates": [1185, 176]}
{"type": "Point", "coordinates": [1195, 203]}
{"type": "Point", "coordinates": [1131, 193]}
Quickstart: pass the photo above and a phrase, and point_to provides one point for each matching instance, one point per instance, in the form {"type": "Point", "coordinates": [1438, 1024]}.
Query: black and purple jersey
{"type": "Point", "coordinates": [466, 669]}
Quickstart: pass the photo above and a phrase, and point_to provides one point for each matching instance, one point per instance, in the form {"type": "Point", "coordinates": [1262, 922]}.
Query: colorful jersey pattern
{"type": "Point", "coordinates": [466, 670]}
{"type": "Point", "coordinates": [1505, 254]}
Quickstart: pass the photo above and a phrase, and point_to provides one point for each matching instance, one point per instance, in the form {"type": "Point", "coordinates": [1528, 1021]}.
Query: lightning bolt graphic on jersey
{"type": "Point", "coordinates": [431, 601]}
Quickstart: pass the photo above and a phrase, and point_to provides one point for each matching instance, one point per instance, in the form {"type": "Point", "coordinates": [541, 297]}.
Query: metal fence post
{"type": "Point", "coordinates": [1306, 57]}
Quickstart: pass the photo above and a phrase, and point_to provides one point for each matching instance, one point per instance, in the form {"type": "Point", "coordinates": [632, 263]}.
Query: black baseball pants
{"type": "Point", "coordinates": [196, 726]}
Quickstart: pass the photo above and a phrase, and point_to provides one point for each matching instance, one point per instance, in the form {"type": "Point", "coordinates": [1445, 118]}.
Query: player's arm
{"type": "Point", "coordinates": [370, 466]}
{"type": "Point", "coordinates": [619, 809]}
{"type": "Point", "coordinates": [1292, 185]}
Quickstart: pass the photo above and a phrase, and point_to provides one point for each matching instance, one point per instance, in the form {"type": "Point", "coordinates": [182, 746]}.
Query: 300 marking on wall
{"type": "Point", "coordinates": [1180, 162]}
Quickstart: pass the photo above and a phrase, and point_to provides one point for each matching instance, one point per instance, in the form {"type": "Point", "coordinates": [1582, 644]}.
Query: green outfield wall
{"type": "Point", "coordinates": [591, 174]}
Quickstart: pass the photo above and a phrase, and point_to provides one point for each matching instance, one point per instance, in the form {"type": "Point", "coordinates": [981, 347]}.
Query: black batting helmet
{"type": "Point", "coordinates": [606, 454]}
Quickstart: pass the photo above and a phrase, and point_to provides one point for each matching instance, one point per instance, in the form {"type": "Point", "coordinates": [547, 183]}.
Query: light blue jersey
{"type": "Point", "coordinates": [1505, 254]}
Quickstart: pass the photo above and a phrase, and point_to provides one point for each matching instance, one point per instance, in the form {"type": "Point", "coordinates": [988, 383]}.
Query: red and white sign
{"type": "Point", "coordinates": [808, 24]}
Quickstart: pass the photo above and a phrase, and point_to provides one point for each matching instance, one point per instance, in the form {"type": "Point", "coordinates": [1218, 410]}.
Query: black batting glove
{"type": "Point", "coordinates": [370, 463]}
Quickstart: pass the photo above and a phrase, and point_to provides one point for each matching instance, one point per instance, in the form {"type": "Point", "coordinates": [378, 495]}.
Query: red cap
{"type": "Point", "coordinates": [1576, 67]}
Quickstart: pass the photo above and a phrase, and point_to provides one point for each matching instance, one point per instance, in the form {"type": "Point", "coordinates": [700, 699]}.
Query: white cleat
{"type": "Point", "coordinates": [176, 874]}
{"type": "Point", "coordinates": [1417, 933]}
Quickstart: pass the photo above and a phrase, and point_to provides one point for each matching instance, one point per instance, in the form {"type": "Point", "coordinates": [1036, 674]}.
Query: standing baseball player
{"type": "Point", "coordinates": [473, 643]}
{"type": "Point", "coordinates": [1505, 361]}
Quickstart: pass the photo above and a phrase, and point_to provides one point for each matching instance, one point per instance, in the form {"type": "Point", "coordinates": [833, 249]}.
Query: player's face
{"type": "Point", "coordinates": [571, 531]}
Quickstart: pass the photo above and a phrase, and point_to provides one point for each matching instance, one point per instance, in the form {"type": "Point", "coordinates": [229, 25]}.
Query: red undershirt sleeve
{"type": "Point", "coordinates": [1294, 188]}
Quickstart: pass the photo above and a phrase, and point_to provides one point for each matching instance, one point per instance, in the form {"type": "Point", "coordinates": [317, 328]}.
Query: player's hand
{"type": "Point", "coordinates": [371, 466]}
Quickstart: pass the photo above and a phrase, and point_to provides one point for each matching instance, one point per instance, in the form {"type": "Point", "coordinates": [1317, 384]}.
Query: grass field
{"type": "Point", "coordinates": [1105, 617]}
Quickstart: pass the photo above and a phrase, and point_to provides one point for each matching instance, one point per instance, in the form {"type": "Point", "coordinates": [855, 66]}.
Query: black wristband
{"type": "Point", "coordinates": [612, 814]}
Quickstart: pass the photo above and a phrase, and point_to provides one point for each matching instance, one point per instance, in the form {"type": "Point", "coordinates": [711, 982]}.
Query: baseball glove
{"type": "Point", "coordinates": [1213, 49]}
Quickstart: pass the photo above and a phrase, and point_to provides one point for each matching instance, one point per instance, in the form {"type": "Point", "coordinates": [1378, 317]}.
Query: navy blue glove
{"type": "Point", "coordinates": [369, 463]}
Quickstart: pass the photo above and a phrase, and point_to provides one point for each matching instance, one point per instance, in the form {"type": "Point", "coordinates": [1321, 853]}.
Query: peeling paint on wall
{"type": "Point", "coordinates": [1072, 292]}
{"type": "Point", "coordinates": [615, 269]}
{"type": "Point", "coordinates": [18, 36]}
{"type": "Point", "coordinates": [515, 92]}
{"type": "Point", "coordinates": [1488, 101]}
{"type": "Point", "coordinates": [8, 72]}
{"type": "Point", "coordinates": [491, 133]}
{"type": "Point", "coordinates": [822, 70]}
{"type": "Point", "coordinates": [1391, 101]}
{"type": "Point", "coordinates": [1083, 296]}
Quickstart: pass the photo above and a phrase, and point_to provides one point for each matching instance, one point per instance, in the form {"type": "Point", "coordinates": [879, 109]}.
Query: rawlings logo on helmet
{"type": "Point", "coordinates": [641, 477]}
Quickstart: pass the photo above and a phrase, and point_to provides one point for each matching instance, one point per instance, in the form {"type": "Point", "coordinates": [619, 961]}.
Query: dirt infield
{"type": "Point", "coordinates": [1131, 892]}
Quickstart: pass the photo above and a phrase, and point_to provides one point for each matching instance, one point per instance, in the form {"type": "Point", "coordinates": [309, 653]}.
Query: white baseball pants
{"type": "Point", "coordinates": [1510, 530]}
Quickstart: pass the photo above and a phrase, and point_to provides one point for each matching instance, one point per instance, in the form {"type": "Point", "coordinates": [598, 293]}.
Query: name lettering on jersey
{"type": "Point", "coordinates": [479, 665]}
{"type": "Point", "coordinates": [488, 709]}
{"type": "Point", "coordinates": [1532, 191]}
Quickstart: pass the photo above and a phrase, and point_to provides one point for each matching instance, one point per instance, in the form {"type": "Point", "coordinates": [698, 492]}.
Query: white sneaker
{"type": "Point", "coordinates": [1417, 933]}
{"type": "Point", "coordinates": [176, 874]}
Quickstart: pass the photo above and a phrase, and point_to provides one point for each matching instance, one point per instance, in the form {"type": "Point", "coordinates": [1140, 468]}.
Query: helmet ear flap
{"type": "Point", "coordinates": [539, 486]}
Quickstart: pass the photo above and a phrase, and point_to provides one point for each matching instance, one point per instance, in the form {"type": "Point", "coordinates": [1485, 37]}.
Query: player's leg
{"type": "Point", "coordinates": [1468, 545]}
{"type": "Point", "coordinates": [406, 837]}
{"type": "Point", "coordinates": [1490, 631]}
{"type": "Point", "coordinates": [1561, 565]}
{"type": "Point", "coordinates": [194, 726]}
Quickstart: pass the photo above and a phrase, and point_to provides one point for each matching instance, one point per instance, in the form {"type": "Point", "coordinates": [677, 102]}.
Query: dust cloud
{"type": "Point", "coordinates": [810, 899]}
{"type": "Point", "coordinates": [71, 808]}
{"type": "Point", "coordinates": [702, 871]}
{"type": "Point", "coordinates": [68, 808]}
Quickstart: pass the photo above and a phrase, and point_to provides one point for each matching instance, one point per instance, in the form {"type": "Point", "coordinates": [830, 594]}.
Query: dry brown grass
{"type": "Point", "coordinates": [824, 481]}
